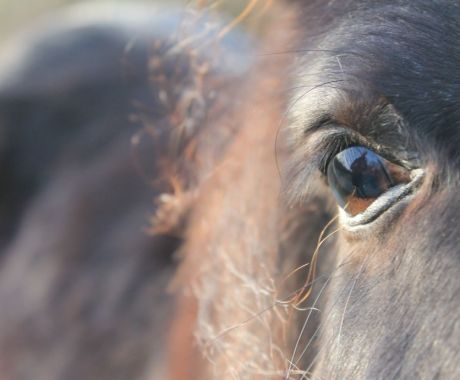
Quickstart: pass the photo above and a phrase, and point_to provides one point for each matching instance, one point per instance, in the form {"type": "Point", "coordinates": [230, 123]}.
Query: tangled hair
{"type": "Point", "coordinates": [238, 301]}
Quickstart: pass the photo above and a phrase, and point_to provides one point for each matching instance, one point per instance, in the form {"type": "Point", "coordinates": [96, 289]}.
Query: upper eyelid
{"type": "Point", "coordinates": [334, 138]}
{"type": "Point", "coordinates": [310, 152]}
{"type": "Point", "coordinates": [331, 139]}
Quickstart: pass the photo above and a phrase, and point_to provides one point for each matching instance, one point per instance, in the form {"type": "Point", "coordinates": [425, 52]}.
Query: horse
{"type": "Point", "coordinates": [184, 200]}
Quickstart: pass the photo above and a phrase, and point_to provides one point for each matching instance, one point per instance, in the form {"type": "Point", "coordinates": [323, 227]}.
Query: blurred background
{"type": "Point", "coordinates": [15, 14]}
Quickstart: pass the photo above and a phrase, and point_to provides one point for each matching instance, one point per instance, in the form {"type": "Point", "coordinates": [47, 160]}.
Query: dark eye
{"type": "Point", "coordinates": [358, 176]}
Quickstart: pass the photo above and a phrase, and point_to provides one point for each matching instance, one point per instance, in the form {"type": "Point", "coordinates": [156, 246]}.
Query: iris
{"type": "Point", "coordinates": [358, 176]}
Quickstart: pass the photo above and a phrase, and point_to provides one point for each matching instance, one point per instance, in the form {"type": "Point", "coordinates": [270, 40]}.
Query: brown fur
{"type": "Point", "coordinates": [232, 265]}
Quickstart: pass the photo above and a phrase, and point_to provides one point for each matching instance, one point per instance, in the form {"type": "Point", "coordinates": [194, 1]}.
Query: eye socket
{"type": "Point", "coordinates": [358, 176]}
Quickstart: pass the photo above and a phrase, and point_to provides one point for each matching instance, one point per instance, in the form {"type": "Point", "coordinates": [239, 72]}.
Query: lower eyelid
{"type": "Point", "coordinates": [384, 202]}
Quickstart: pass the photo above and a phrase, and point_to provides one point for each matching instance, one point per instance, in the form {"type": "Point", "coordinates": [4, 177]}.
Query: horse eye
{"type": "Point", "coordinates": [358, 176]}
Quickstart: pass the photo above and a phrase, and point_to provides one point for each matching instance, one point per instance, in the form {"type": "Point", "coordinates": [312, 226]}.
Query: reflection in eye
{"type": "Point", "coordinates": [358, 176]}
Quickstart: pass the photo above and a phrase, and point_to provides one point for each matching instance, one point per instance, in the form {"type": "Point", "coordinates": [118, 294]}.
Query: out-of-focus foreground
{"type": "Point", "coordinates": [86, 103]}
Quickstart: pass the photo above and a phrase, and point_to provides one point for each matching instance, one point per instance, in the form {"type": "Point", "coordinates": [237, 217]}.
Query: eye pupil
{"type": "Point", "coordinates": [357, 176]}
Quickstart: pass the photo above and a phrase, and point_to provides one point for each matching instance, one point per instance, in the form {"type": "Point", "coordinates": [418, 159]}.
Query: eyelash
{"type": "Point", "coordinates": [345, 140]}
{"type": "Point", "coordinates": [334, 146]}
